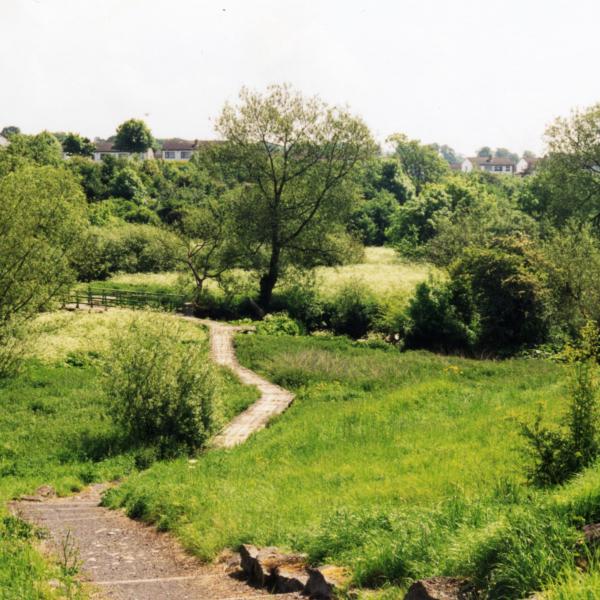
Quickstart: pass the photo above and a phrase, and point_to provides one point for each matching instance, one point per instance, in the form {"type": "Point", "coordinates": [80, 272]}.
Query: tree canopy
{"type": "Point", "coordinates": [420, 162]}
{"type": "Point", "coordinates": [134, 136]}
{"type": "Point", "coordinates": [295, 157]}
{"type": "Point", "coordinates": [74, 143]}
{"type": "Point", "coordinates": [42, 216]}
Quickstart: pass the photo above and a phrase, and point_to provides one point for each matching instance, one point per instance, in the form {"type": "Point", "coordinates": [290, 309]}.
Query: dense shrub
{"type": "Point", "coordinates": [572, 268]}
{"type": "Point", "coordinates": [508, 294]}
{"type": "Point", "coordinates": [441, 317]}
{"type": "Point", "coordinates": [299, 297]}
{"type": "Point", "coordinates": [353, 311]}
{"type": "Point", "coordinates": [128, 248]}
{"type": "Point", "coordinates": [278, 324]}
{"type": "Point", "coordinates": [161, 391]}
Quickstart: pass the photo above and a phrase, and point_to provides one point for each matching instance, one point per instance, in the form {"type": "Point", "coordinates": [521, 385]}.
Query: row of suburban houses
{"type": "Point", "coordinates": [182, 150]}
{"type": "Point", "coordinates": [173, 149]}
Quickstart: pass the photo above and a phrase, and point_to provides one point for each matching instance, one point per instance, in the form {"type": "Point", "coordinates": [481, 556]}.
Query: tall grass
{"type": "Point", "coordinates": [382, 271]}
{"type": "Point", "coordinates": [397, 465]}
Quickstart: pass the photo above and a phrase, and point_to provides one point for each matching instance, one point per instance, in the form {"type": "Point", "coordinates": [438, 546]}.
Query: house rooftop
{"type": "Point", "coordinates": [491, 160]}
{"type": "Point", "coordinates": [102, 146]}
{"type": "Point", "coordinates": [180, 144]}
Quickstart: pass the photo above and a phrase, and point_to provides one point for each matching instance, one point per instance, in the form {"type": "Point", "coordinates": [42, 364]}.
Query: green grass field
{"type": "Point", "coordinates": [399, 466]}
{"type": "Point", "coordinates": [396, 465]}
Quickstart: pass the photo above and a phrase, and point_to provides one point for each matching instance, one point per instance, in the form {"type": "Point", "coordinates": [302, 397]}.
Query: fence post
{"type": "Point", "coordinates": [90, 298]}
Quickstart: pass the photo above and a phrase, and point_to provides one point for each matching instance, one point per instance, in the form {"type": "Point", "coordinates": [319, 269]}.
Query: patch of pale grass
{"type": "Point", "coordinates": [168, 278]}
{"type": "Point", "coordinates": [382, 271]}
{"type": "Point", "coordinates": [62, 332]}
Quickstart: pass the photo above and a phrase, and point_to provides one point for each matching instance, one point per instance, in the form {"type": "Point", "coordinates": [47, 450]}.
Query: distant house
{"type": "Point", "coordinates": [3, 141]}
{"type": "Point", "coordinates": [103, 149]}
{"type": "Point", "coordinates": [178, 149]}
{"type": "Point", "coordinates": [491, 164]}
{"type": "Point", "coordinates": [526, 166]}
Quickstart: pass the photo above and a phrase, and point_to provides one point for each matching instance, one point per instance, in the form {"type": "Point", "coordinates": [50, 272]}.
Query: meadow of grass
{"type": "Point", "coordinates": [381, 270]}
{"type": "Point", "coordinates": [397, 465]}
{"type": "Point", "coordinates": [54, 428]}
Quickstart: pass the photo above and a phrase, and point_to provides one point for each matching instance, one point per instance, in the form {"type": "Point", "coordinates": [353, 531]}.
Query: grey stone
{"type": "Point", "coordinates": [290, 579]}
{"type": "Point", "coordinates": [324, 582]}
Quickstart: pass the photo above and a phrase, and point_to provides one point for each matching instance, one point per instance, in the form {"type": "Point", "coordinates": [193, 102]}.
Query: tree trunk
{"type": "Point", "coordinates": [269, 279]}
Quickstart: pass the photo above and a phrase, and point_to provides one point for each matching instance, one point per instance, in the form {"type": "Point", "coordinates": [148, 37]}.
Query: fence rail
{"type": "Point", "coordinates": [127, 299]}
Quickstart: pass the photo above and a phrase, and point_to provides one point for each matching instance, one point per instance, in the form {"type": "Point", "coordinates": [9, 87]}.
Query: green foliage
{"type": "Point", "coordinates": [508, 295]}
{"type": "Point", "coordinates": [352, 311]}
{"type": "Point", "coordinates": [558, 455]}
{"type": "Point", "coordinates": [567, 182]}
{"type": "Point", "coordinates": [278, 324]}
{"type": "Point", "coordinates": [477, 225]}
{"type": "Point", "coordinates": [9, 131]}
{"type": "Point", "coordinates": [371, 218]}
{"type": "Point", "coordinates": [300, 297]}
{"type": "Point", "coordinates": [297, 158]}
{"type": "Point", "coordinates": [43, 220]}
{"type": "Point", "coordinates": [134, 136]}
{"type": "Point", "coordinates": [420, 162]}
{"type": "Point", "coordinates": [75, 144]}
{"type": "Point", "coordinates": [129, 248]}
{"type": "Point", "coordinates": [26, 150]}
{"type": "Point", "coordinates": [413, 223]}
{"type": "Point", "coordinates": [571, 267]}
{"type": "Point", "coordinates": [441, 317]}
{"type": "Point", "coordinates": [13, 345]}
{"type": "Point", "coordinates": [161, 392]}
{"type": "Point", "coordinates": [128, 184]}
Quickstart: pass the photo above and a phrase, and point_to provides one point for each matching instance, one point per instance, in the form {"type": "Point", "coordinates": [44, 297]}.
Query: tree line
{"type": "Point", "coordinates": [296, 184]}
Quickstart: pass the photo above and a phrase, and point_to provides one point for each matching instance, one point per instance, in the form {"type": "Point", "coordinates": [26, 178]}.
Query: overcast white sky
{"type": "Point", "coordinates": [462, 72]}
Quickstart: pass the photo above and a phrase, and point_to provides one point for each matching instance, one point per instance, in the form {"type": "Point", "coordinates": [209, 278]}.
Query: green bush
{"type": "Point", "coordinates": [353, 311]}
{"type": "Point", "coordinates": [441, 317]}
{"type": "Point", "coordinates": [508, 294]}
{"type": "Point", "coordinates": [299, 298]}
{"type": "Point", "coordinates": [129, 248]}
{"type": "Point", "coordinates": [558, 455]}
{"type": "Point", "coordinates": [161, 391]}
{"type": "Point", "coordinates": [278, 324]}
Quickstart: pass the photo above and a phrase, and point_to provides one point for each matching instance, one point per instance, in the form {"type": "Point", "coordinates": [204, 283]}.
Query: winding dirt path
{"type": "Point", "coordinates": [124, 559]}
{"type": "Point", "coordinates": [273, 400]}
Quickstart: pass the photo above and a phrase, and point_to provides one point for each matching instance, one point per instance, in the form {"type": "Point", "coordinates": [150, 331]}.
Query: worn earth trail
{"type": "Point", "coordinates": [127, 560]}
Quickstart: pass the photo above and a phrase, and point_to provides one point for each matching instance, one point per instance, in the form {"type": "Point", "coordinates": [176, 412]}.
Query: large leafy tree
{"type": "Point", "coordinates": [40, 149]}
{"type": "Point", "coordinates": [77, 144]}
{"type": "Point", "coordinates": [134, 136]}
{"type": "Point", "coordinates": [296, 157]}
{"type": "Point", "coordinates": [568, 181]}
{"type": "Point", "coordinates": [42, 217]}
{"type": "Point", "coordinates": [420, 162]}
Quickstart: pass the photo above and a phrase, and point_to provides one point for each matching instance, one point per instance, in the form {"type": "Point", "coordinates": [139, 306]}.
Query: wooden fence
{"type": "Point", "coordinates": [114, 297]}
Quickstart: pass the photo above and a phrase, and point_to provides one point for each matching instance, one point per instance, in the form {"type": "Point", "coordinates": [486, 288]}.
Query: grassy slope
{"type": "Point", "coordinates": [399, 465]}
{"type": "Point", "coordinates": [54, 429]}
